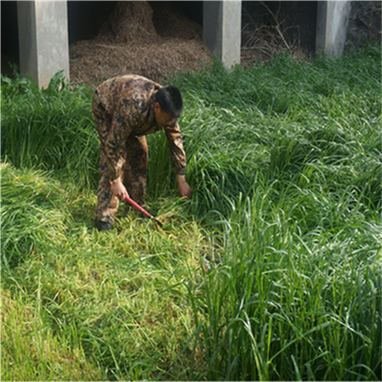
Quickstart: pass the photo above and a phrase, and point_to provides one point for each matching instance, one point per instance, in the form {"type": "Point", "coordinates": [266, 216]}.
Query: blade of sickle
{"type": "Point", "coordinates": [141, 209]}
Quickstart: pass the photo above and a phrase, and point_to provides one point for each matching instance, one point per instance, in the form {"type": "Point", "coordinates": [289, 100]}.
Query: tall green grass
{"type": "Point", "coordinates": [29, 213]}
{"type": "Point", "coordinates": [51, 129]}
{"type": "Point", "coordinates": [272, 271]}
{"type": "Point", "coordinates": [300, 146]}
{"type": "Point", "coordinates": [282, 304]}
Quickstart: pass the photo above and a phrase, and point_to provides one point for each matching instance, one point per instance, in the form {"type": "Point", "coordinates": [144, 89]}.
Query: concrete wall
{"type": "Point", "coordinates": [43, 39]}
{"type": "Point", "coordinates": [332, 23]}
{"type": "Point", "coordinates": [222, 30]}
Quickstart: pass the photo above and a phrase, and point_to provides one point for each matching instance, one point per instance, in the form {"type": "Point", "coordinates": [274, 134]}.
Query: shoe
{"type": "Point", "coordinates": [102, 226]}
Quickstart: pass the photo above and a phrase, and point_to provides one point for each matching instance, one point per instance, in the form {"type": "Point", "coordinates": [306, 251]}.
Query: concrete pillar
{"type": "Point", "coordinates": [222, 30]}
{"type": "Point", "coordinates": [332, 23]}
{"type": "Point", "coordinates": [43, 39]}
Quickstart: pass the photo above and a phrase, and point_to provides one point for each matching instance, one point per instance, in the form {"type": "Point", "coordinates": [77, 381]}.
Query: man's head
{"type": "Point", "coordinates": [168, 105]}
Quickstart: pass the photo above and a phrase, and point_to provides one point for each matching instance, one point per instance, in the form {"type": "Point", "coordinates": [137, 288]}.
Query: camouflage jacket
{"type": "Point", "coordinates": [129, 102]}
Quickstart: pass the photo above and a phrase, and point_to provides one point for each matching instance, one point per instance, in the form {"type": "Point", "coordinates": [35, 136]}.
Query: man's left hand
{"type": "Point", "coordinates": [183, 187]}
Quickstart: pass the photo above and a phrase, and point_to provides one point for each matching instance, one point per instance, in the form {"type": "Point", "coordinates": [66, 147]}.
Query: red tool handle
{"type": "Point", "coordinates": [138, 207]}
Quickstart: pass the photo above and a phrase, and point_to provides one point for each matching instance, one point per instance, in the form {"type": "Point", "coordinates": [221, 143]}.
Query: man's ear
{"type": "Point", "coordinates": [157, 107]}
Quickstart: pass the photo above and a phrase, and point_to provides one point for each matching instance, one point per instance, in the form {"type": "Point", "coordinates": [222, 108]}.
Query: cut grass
{"type": "Point", "coordinates": [32, 352]}
{"type": "Point", "coordinates": [120, 298]}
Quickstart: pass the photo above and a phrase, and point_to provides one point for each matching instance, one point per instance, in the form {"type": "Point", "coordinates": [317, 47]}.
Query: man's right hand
{"type": "Point", "coordinates": [118, 189]}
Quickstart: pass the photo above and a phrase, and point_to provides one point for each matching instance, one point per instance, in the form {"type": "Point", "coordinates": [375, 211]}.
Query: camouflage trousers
{"type": "Point", "coordinates": [134, 172]}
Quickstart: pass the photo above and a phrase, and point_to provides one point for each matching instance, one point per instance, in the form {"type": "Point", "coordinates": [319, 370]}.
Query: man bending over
{"type": "Point", "coordinates": [125, 110]}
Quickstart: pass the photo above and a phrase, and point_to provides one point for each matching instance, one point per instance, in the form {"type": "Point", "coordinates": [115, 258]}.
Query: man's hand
{"type": "Point", "coordinates": [183, 187]}
{"type": "Point", "coordinates": [118, 189]}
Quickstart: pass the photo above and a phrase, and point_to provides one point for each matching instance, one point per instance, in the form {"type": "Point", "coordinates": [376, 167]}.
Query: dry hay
{"type": "Point", "coordinates": [130, 21]}
{"type": "Point", "coordinates": [129, 43]}
{"type": "Point", "coordinates": [93, 62]}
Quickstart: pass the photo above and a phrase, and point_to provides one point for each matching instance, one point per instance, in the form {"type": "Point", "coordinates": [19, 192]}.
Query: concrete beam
{"type": "Point", "coordinates": [222, 30]}
{"type": "Point", "coordinates": [43, 39]}
{"type": "Point", "coordinates": [332, 23]}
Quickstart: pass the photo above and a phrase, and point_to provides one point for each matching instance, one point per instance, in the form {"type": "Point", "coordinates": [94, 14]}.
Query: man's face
{"type": "Point", "coordinates": [162, 118]}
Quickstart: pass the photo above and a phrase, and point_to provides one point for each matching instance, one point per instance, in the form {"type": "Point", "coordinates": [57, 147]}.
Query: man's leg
{"type": "Point", "coordinates": [107, 202]}
{"type": "Point", "coordinates": [135, 170]}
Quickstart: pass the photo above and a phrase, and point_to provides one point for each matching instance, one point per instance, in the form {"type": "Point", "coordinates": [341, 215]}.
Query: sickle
{"type": "Point", "coordinates": [141, 209]}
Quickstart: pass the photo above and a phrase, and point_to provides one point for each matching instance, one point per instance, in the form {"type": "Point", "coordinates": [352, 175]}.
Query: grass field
{"type": "Point", "coordinates": [272, 271]}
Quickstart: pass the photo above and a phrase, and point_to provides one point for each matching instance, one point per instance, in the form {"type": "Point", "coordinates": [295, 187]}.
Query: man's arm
{"type": "Point", "coordinates": [178, 158]}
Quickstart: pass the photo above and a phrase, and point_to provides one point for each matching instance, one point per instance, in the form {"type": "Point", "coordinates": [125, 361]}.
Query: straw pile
{"type": "Point", "coordinates": [128, 42]}
{"type": "Point", "coordinates": [130, 21]}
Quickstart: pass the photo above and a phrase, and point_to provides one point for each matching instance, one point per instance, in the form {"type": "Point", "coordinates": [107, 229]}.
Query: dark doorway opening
{"type": "Point", "coordinates": [296, 20]}
{"type": "Point", "coordinates": [9, 37]}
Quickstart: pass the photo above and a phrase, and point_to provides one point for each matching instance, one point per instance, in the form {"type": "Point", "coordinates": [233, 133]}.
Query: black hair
{"type": "Point", "coordinates": [170, 100]}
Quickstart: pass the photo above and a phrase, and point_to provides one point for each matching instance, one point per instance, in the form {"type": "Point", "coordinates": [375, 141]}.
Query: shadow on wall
{"type": "Point", "coordinates": [364, 24]}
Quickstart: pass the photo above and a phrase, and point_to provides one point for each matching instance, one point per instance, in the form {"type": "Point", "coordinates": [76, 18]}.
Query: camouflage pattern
{"type": "Point", "coordinates": [123, 109]}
